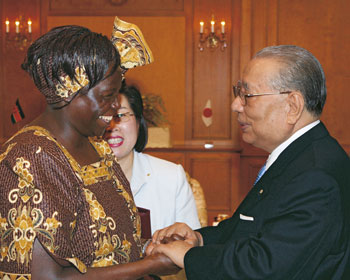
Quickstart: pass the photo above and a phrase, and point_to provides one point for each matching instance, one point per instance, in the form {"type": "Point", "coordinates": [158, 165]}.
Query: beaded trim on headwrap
{"type": "Point", "coordinates": [131, 44]}
{"type": "Point", "coordinates": [68, 87]}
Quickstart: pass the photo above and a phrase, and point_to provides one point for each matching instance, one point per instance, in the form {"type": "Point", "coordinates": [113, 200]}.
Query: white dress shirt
{"type": "Point", "coordinates": [161, 186]}
{"type": "Point", "coordinates": [277, 151]}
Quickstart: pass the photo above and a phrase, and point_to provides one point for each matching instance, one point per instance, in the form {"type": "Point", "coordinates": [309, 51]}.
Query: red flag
{"type": "Point", "coordinates": [207, 115]}
{"type": "Point", "coordinates": [17, 113]}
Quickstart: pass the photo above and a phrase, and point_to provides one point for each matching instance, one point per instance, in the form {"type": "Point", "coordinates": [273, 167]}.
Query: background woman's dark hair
{"type": "Point", "coordinates": [134, 98]}
{"type": "Point", "coordinates": [63, 49]}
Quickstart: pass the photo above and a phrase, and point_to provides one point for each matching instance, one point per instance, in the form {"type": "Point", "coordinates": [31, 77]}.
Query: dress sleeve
{"type": "Point", "coordinates": [40, 199]}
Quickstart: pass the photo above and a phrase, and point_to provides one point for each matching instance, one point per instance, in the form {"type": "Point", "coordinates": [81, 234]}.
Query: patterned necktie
{"type": "Point", "coordinates": [261, 172]}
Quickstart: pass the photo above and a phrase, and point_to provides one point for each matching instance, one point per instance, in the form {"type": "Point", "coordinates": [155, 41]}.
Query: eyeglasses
{"type": "Point", "coordinates": [237, 92]}
{"type": "Point", "coordinates": [122, 117]}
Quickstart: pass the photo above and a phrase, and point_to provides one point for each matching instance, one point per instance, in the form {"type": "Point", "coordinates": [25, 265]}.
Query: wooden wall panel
{"type": "Point", "coordinates": [211, 74]}
{"type": "Point", "coordinates": [15, 83]}
{"type": "Point", "coordinates": [2, 89]}
{"type": "Point", "coordinates": [94, 7]}
{"type": "Point", "coordinates": [218, 174]}
{"type": "Point", "coordinates": [323, 27]}
{"type": "Point", "coordinates": [175, 157]}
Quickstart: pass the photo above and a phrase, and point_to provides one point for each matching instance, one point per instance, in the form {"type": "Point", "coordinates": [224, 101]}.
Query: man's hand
{"type": "Point", "coordinates": [180, 229]}
{"type": "Point", "coordinates": [174, 241]}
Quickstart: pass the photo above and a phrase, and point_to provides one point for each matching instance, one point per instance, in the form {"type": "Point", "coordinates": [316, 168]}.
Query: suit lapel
{"type": "Point", "coordinates": [264, 186]}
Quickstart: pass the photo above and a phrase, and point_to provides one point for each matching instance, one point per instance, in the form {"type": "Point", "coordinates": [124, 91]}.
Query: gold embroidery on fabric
{"type": "Point", "coordinates": [108, 247]}
{"type": "Point", "coordinates": [104, 150]}
{"type": "Point", "coordinates": [42, 133]}
{"type": "Point", "coordinates": [101, 222]}
{"type": "Point", "coordinates": [4, 154]}
{"type": "Point", "coordinates": [3, 229]}
{"type": "Point", "coordinates": [24, 226]}
{"type": "Point", "coordinates": [103, 147]}
{"type": "Point", "coordinates": [133, 210]}
{"type": "Point", "coordinates": [95, 172]}
{"type": "Point", "coordinates": [98, 214]}
{"type": "Point", "coordinates": [11, 276]}
{"type": "Point", "coordinates": [26, 189]}
{"type": "Point", "coordinates": [67, 87]}
{"type": "Point", "coordinates": [73, 225]}
{"type": "Point", "coordinates": [78, 263]}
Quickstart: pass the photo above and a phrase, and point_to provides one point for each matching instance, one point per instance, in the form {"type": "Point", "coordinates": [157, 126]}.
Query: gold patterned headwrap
{"type": "Point", "coordinates": [131, 45]}
{"type": "Point", "coordinates": [68, 87]}
{"type": "Point", "coordinates": [65, 88]}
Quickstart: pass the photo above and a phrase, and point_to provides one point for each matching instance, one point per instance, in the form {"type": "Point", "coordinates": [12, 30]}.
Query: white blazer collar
{"type": "Point", "coordinates": [141, 172]}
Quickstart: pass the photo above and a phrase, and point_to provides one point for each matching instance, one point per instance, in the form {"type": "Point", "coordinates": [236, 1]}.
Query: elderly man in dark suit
{"type": "Point", "coordinates": [294, 223]}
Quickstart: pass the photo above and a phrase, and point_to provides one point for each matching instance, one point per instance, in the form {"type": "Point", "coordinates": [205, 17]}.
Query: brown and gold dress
{"type": "Point", "coordinates": [83, 214]}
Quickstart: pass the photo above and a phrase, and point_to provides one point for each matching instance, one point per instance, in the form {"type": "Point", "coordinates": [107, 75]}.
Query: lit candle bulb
{"type": "Point", "coordinates": [212, 26]}
{"type": "Point", "coordinates": [201, 27]}
{"type": "Point", "coordinates": [223, 27]}
{"type": "Point", "coordinates": [7, 22]}
{"type": "Point", "coordinates": [29, 26]}
{"type": "Point", "coordinates": [17, 26]}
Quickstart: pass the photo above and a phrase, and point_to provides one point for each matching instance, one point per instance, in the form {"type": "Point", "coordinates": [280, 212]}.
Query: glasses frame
{"type": "Point", "coordinates": [119, 119]}
{"type": "Point", "coordinates": [243, 97]}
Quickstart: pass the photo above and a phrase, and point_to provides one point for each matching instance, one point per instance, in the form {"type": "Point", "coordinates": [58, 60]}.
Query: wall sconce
{"type": "Point", "coordinates": [214, 38]}
{"type": "Point", "coordinates": [22, 35]}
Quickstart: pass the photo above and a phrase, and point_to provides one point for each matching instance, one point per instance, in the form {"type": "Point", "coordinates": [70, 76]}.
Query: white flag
{"type": "Point", "coordinates": [207, 114]}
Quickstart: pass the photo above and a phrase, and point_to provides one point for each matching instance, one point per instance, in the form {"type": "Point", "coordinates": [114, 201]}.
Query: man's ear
{"type": "Point", "coordinates": [296, 106]}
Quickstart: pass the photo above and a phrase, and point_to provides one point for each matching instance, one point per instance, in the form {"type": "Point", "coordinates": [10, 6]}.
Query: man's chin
{"type": "Point", "coordinates": [247, 139]}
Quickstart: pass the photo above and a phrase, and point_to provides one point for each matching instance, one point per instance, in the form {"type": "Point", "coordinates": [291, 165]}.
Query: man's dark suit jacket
{"type": "Point", "coordinates": [293, 224]}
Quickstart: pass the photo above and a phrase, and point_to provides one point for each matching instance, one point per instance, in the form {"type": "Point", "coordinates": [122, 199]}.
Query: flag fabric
{"type": "Point", "coordinates": [207, 114]}
{"type": "Point", "coordinates": [17, 113]}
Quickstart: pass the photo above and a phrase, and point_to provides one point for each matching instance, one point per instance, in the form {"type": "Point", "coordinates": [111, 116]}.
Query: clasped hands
{"type": "Point", "coordinates": [174, 242]}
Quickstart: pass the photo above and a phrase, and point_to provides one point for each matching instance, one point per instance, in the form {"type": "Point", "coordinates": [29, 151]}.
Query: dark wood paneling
{"type": "Point", "coordinates": [2, 89]}
{"type": "Point", "coordinates": [212, 74]}
{"type": "Point", "coordinates": [175, 157]}
{"type": "Point", "coordinates": [114, 7]}
{"type": "Point", "coordinates": [323, 27]}
{"type": "Point", "coordinates": [15, 82]}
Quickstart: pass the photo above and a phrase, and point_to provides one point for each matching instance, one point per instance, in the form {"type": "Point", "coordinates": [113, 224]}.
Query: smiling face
{"type": "Point", "coordinates": [263, 119]}
{"type": "Point", "coordinates": [122, 136]}
{"type": "Point", "coordinates": [91, 113]}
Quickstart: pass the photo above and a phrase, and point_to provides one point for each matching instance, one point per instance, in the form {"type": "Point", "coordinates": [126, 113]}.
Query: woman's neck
{"type": "Point", "coordinates": [126, 163]}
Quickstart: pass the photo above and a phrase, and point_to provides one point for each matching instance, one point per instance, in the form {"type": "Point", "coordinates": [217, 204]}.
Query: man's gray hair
{"type": "Point", "coordinates": [300, 71]}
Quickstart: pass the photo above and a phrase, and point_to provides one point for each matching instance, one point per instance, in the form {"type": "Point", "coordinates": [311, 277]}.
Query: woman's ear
{"type": "Point", "coordinates": [296, 107]}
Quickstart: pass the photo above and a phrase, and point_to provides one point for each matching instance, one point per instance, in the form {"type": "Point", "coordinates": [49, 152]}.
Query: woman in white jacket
{"type": "Point", "coordinates": [158, 185]}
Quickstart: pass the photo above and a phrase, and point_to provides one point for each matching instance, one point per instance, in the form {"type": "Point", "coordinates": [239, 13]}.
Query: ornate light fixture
{"type": "Point", "coordinates": [214, 38]}
{"type": "Point", "coordinates": [21, 38]}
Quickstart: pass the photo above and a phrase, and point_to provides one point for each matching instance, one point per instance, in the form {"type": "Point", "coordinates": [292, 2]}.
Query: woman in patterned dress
{"type": "Point", "coordinates": [66, 209]}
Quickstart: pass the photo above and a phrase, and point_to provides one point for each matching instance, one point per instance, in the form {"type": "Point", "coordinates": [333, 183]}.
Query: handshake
{"type": "Point", "coordinates": [169, 246]}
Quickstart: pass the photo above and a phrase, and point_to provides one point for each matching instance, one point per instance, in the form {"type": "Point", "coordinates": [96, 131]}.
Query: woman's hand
{"type": "Point", "coordinates": [175, 250]}
{"type": "Point", "coordinates": [174, 241]}
{"type": "Point", "coordinates": [46, 266]}
{"type": "Point", "coordinates": [161, 264]}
